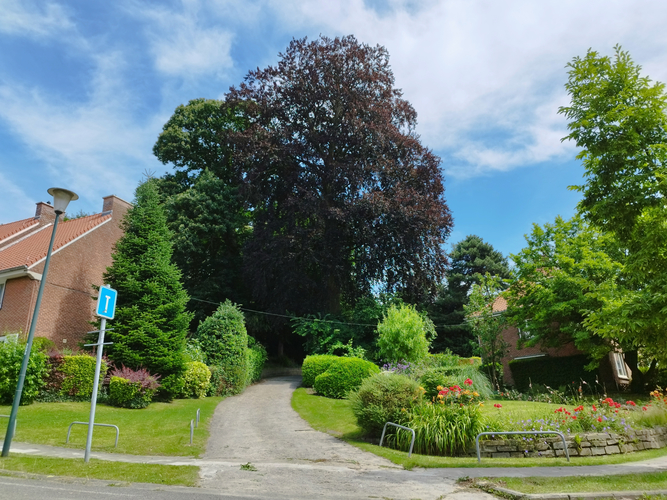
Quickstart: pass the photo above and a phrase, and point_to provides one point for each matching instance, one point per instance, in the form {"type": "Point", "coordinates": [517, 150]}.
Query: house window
{"type": "Point", "coordinates": [2, 293]}
{"type": "Point", "coordinates": [524, 333]}
{"type": "Point", "coordinates": [619, 365]}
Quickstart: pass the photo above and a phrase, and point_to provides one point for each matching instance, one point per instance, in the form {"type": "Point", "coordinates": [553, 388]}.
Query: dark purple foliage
{"type": "Point", "coordinates": [143, 376]}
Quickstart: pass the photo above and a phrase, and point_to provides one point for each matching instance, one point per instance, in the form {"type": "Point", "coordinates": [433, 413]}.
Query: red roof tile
{"type": "Point", "coordinates": [34, 247]}
{"type": "Point", "coordinates": [12, 228]}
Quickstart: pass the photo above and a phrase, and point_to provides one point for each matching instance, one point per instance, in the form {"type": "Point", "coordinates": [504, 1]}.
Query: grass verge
{"type": "Point", "coordinates": [335, 417]}
{"type": "Point", "coordinates": [183, 475]}
{"type": "Point", "coordinates": [160, 429]}
{"type": "Point", "coordinates": [648, 481]}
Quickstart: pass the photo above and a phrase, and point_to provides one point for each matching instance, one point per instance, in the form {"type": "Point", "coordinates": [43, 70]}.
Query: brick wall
{"type": "Point", "coordinates": [67, 305]}
{"type": "Point", "coordinates": [18, 304]}
{"type": "Point", "coordinates": [511, 336]}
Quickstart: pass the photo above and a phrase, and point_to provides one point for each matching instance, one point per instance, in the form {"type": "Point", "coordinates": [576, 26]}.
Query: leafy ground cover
{"type": "Point", "coordinates": [336, 418]}
{"type": "Point", "coordinates": [649, 481]}
{"type": "Point", "coordinates": [160, 429]}
{"type": "Point", "coordinates": [183, 475]}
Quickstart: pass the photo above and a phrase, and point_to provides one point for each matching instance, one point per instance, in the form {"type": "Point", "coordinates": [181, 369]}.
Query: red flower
{"type": "Point", "coordinates": [497, 405]}
{"type": "Point", "coordinates": [631, 403]}
{"type": "Point", "coordinates": [579, 408]}
{"type": "Point", "coordinates": [594, 408]}
{"type": "Point", "coordinates": [574, 417]}
{"type": "Point", "coordinates": [599, 419]}
{"type": "Point", "coordinates": [644, 408]}
{"type": "Point", "coordinates": [468, 382]}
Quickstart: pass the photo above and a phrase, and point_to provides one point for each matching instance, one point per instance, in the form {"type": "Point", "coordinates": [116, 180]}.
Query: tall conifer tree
{"type": "Point", "coordinates": [151, 322]}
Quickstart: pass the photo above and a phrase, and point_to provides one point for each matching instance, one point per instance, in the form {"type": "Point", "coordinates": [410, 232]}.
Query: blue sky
{"type": "Point", "coordinates": [86, 86]}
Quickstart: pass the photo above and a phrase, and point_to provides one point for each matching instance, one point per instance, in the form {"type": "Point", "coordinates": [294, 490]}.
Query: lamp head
{"type": "Point", "coordinates": [61, 198]}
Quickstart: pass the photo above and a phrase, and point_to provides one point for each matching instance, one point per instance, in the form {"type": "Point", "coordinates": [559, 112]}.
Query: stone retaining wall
{"type": "Point", "coordinates": [578, 445]}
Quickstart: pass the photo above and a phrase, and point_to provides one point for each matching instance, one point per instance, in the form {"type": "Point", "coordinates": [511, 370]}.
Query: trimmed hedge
{"type": "Point", "coordinates": [224, 339]}
{"type": "Point", "coordinates": [554, 372]}
{"type": "Point", "coordinates": [315, 365]}
{"type": "Point", "coordinates": [343, 376]}
{"type": "Point", "coordinates": [256, 356]}
{"type": "Point", "coordinates": [79, 374]}
{"type": "Point", "coordinates": [384, 398]}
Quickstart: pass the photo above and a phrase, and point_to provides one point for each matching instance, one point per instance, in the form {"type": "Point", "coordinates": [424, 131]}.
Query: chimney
{"type": "Point", "coordinates": [45, 213]}
{"type": "Point", "coordinates": [113, 203]}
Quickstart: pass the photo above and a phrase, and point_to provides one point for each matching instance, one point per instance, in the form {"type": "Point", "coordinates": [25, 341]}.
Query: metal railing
{"type": "Point", "coordinates": [101, 425]}
{"type": "Point", "coordinates": [479, 457]}
{"type": "Point", "coordinates": [13, 430]}
{"type": "Point", "coordinates": [400, 427]}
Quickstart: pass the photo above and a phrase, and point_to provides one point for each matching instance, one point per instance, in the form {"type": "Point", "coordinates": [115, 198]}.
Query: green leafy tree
{"type": "Point", "coordinates": [470, 259]}
{"type": "Point", "coordinates": [486, 324]}
{"type": "Point", "coordinates": [151, 323]}
{"type": "Point", "coordinates": [404, 335]}
{"type": "Point", "coordinates": [345, 198]}
{"type": "Point", "coordinates": [617, 116]}
{"type": "Point", "coordinates": [204, 209]}
{"type": "Point", "coordinates": [210, 229]}
{"type": "Point", "coordinates": [560, 277]}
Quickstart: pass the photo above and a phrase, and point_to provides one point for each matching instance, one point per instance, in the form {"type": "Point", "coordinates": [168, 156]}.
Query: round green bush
{"type": "Point", "coordinates": [315, 365]}
{"type": "Point", "coordinates": [343, 376]}
{"type": "Point", "coordinates": [224, 339]}
{"type": "Point", "coordinates": [196, 379]}
{"type": "Point", "coordinates": [383, 398]}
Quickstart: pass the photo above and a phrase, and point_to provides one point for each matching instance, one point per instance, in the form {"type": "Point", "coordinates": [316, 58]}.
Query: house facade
{"type": "Point", "coordinates": [612, 369]}
{"type": "Point", "coordinates": [81, 253]}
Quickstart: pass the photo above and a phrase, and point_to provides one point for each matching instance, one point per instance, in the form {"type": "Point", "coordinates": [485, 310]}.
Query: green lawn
{"type": "Point", "coordinates": [335, 417]}
{"type": "Point", "coordinates": [649, 481]}
{"type": "Point", "coordinates": [160, 429]}
{"type": "Point", "coordinates": [183, 475]}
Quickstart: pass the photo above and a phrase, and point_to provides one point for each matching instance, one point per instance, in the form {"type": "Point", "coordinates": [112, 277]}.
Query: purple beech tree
{"type": "Point", "coordinates": [345, 199]}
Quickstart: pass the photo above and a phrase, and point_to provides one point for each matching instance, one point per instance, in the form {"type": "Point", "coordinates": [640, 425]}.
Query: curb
{"type": "Point", "coordinates": [599, 495]}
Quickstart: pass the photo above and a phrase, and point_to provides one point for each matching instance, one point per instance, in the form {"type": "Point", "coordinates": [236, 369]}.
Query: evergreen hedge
{"type": "Point", "coordinates": [554, 372]}
{"type": "Point", "coordinates": [343, 376]}
{"type": "Point", "coordinates": [315, 365]}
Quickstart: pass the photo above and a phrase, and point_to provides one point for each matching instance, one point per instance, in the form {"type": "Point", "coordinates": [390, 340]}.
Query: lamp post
{"type": "Point", "coordinates": [61, 198]}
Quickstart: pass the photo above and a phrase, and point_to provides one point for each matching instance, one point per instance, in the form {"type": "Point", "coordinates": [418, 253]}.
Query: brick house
{"type": "Point", "coordinates": [612, 369]}
{"type": "Point", "coordinates": [81, 253]}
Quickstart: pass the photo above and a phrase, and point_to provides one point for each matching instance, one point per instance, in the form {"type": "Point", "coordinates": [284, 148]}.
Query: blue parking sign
{"type": "Point", "coordinates": [106, 303]}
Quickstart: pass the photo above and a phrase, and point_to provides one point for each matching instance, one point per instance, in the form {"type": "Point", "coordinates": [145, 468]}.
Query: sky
{"type": "Point", "coordinates": [86, 87]}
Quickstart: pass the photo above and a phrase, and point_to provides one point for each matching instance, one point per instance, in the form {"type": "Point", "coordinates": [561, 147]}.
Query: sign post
{"type": "Point", "coordinates": [106, 308]}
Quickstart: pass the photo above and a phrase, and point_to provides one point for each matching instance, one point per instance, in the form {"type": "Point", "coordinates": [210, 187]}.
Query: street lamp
{"type": "Point", "coordinates": [61, 198]}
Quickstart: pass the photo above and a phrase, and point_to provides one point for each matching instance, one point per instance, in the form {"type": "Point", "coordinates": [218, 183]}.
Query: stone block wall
{"type": "Point", "coordinates": [578, 445]}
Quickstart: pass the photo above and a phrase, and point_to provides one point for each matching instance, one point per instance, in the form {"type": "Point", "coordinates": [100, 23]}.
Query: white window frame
{"type": "Point", "coordinates": [619, 365]}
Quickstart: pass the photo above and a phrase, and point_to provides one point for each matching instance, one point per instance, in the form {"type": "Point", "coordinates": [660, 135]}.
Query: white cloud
{"type": "Point", "coordinates": [93, 147]}
{"type": "Point", "coordinates": [40, 20]}
{"type": "Point", "coordinates": [472, 66]}
{"type": "Point", "coordinates": [184, 43]}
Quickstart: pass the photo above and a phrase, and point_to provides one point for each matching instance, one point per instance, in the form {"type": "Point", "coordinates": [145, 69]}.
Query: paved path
{"type": "Point", "coordinates": [293, 461]}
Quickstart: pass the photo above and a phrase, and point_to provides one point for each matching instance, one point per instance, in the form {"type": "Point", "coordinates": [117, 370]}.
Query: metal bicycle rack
{"type": "Point", "coordinates": [400, 427]}
{"type": "Point", "coordinates": [101, 425]}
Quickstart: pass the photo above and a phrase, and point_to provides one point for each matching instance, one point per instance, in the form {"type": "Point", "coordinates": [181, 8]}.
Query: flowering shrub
{"type": "Point", "coordinates": [447, 425]}
{"type": "Point", "coordinates": [132, 388]}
